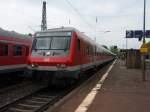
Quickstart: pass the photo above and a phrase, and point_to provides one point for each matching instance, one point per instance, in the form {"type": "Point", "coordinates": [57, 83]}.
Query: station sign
{"type": "Point", "coordinates": [129, 34]}
{"type": "Point", "coordinates": [137, 34]}
{"type": "Point", "coordinates": [147, 33]}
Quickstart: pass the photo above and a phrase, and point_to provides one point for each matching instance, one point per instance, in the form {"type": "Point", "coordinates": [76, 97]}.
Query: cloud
{"type": "Point", "coordinates": [24, 16]}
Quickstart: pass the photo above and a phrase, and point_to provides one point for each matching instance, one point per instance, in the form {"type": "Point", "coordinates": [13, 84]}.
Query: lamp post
{"type": "Point", "coordinates": [144, 21]}
{"type": "Point", "coordinates": [143, 56]}
{"type": "Point", "coordinates": [102, 32]}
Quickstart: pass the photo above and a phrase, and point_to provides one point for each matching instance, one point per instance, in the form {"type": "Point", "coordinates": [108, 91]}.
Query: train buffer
{"type": "Point", "coordinates": [122, 90]}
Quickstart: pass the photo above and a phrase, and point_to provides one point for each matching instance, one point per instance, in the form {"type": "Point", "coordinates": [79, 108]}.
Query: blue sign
{"type": "Point", "coordinates": [129, 34]}
{"type": "Point", "coordinates": [147, 33]}
{"type": "Point", "coordinates": [138, 34]}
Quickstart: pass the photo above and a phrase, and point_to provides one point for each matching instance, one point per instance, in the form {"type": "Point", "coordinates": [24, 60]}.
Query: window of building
{"type": "Point", "coordinates": [17, 50]}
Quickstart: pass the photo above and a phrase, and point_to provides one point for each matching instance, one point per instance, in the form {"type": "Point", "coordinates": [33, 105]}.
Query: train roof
{"type": "Point", "coordinates": [82, 35]}
{"type": "Point", "coordinates": [13, 34]}
{"type": "Point", "coordinates": [63, 29]}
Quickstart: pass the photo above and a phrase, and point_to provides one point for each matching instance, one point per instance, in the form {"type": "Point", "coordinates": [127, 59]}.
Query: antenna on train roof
{"type": "Point", "coordinates": [44, 19]}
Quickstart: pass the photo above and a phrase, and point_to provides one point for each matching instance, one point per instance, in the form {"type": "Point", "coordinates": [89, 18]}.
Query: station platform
{"type": "Point", "coordinates": [119, 90]}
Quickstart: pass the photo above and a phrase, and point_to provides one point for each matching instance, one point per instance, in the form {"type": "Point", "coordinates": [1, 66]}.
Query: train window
{"type": "Point", "coordinates": [61, 43]}
{"type": "Point", "coordinates": [78, 45]}
{"type": "Point", "coordinates": [42, 43]}
{"type": "Point", "coordinates": [87, 50]}
{"type": "Point", "coordinates": [17, 50]}
{"type": "Point", "coordinates": [4, 50]}
{"type": "Point", "coordinates": [95, 50]}
{"type": "Point", "coordinates": [91, 50]}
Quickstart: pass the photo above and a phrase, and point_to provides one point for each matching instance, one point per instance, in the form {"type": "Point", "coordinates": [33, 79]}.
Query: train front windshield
{"type": "Point", "coordinates": [52, 43]}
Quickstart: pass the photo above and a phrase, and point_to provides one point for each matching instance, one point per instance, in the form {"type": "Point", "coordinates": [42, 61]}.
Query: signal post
{"type": "Point", "coordinates": [144, 51]}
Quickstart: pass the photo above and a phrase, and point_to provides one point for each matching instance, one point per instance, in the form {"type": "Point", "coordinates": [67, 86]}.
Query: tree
{"type": "Point", "coordinates": [114, 49]}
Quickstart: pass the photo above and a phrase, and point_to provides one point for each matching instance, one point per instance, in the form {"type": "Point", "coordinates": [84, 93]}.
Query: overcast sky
{"type": "Point", "coordinates": [116, 16]}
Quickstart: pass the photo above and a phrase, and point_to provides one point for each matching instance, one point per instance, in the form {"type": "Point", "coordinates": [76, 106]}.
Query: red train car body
{"type": "Point", "coordinates": [65, 52]}
{"type": "Point", "coordinates": [14, 51]}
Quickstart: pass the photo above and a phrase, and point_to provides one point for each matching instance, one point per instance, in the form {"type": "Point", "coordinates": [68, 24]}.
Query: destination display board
{"type": "Point", "coordinates": [55, 33]}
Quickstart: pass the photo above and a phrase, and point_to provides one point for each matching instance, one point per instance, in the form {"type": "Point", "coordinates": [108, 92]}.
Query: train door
{"type": "Point", "coordinates": [94, 55]}
{"type": "Point", "coordinates": [4, 54]}
{"type": "Point", "coordinates": [79, 54]}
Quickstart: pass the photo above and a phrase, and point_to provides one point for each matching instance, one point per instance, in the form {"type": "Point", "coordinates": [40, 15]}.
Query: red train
{"type": "Point", "coordinates": [14, 51]}
{"type": "Point", "coordinates": [65, 52]}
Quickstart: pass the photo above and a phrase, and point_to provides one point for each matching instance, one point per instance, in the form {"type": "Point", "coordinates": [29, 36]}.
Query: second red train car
{"type": "Point", "coordinates": [14, 51]}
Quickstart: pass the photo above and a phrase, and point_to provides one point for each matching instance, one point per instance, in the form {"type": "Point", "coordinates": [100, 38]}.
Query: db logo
{"type": "Point", "coordinates": [46, 59]}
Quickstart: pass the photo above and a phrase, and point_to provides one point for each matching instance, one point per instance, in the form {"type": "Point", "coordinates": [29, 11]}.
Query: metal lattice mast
{"type": "Point", "coordinates": [44, 19]}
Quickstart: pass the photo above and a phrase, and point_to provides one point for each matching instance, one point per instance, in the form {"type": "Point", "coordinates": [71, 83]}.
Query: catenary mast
{"type": "Point", "coordinates": [44, 19]}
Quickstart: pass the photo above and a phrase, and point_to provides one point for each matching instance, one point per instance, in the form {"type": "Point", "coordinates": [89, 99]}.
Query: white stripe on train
{"type": "Point", "coordinates": [68, 68]}
{"type": "Point", "coordinates": [7, 67]}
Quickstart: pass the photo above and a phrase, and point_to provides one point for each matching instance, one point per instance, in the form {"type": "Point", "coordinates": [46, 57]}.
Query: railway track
{"type": "Point", "coordinates": [43, 99]}
{"type": "Point", "coordinates": [14, 86]}
{"type": "Point", "coordinates": [15, 92]}
{"type": "Point", "coordinates": [36, 102]}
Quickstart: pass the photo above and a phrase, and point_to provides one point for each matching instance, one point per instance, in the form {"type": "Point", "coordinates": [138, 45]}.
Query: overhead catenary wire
{"type": "Point", "coordinates": [80, 15]}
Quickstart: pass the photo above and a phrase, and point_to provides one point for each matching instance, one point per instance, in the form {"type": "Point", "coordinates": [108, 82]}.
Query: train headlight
{"type": "Point", "coordinates": [32, 65]}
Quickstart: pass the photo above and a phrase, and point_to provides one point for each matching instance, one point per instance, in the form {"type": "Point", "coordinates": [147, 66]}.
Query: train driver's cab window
{"type": "Point", "coordinates": [4, 50]}
{"type": "Point", "coordinates": [78, 45]}
{"type": "Point", "coordinates": [17, 50]}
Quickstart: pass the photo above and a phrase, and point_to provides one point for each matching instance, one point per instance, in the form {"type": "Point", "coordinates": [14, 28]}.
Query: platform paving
{"type": "Point", "coordinates": [122, 91]}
